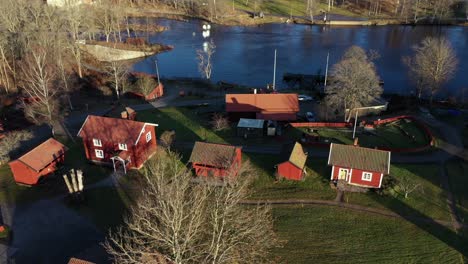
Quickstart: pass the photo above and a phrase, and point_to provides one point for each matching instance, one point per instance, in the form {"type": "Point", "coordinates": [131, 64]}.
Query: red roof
{"type": "Point", "coordinates": [359, 158]}
{"type": "Point", "coordinates": [217, 155]}
{"type": "Point", "coordinates": [42, 155]}
{"type": "Point", "coordinates": [262, 103]}
{"type": "Point", "coordinates": [79, 261]}
{"type": "Point", "coordinates": [112, 129]}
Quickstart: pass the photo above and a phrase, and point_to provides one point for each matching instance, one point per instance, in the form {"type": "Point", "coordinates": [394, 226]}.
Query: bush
{"type": "Point", "coordinates": [4, 232]}
{"type": "Point", "coordinates": [11, 142]}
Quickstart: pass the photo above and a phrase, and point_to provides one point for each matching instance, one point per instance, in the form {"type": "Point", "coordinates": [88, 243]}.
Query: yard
{"type": "Point", "coordinates": [337, 235]}
{"type": "Point", "coordinates": [457, 171]}
{"type": "Point", "coordinates": [400, 134]}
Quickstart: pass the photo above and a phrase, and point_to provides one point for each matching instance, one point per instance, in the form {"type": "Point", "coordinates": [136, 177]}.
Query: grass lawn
{"type": "Point", "coordinates": [457, 170]}
{"type": "Point", "coordinates": [389, 135]}
{"type": "Point", "coordinates": [336, 235]}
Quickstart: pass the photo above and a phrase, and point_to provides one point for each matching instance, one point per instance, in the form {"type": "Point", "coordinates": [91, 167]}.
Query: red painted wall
{"type": "Point", "coordinates": [138, 154]}
{"type": "Point", "coordinates": [25, 175]}
{"type": "Point", "coordinates": [355, 177]}
{"type": "Point", "coordinates": [288, 171]}
{"type": "Point", "coordinates": [205, 171]}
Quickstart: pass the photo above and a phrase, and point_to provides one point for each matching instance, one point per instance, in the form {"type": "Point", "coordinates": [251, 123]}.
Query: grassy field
{"type": "Point", "coordinates": [457, 170]}
{"type": "Point", "coordinates": [332, 235]}
{"type": "Point", "coordinates": [389, 136]}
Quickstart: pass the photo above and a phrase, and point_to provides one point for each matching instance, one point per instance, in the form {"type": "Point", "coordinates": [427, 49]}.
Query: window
{"type": "Point", "coordinates": [367, 176]}
{"type": "Point", "coordinates": [343, 174]}
{"type": "Point", "coordinates": [122, 146]}
{"type": "Point", "coordinates": [99, 153]}
{"type": "Point", "coordinates": [148, 136]}
{"type": "Point", "coordinates": [97, 142]}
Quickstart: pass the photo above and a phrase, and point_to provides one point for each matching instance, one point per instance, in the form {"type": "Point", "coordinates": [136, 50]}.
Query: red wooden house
{"type": "Point", "coordinates": [118, 141]}
{"type": "Point", "coordinates": [278, 107]}
{"type": "Point", "coordinates": [38, 163]}
{"type": "Point", "coordinates": [217, 160]}
{"type": "Point", "coordinates": [293, 168]}
{"type": "Point", "coordinates": [358, 166]}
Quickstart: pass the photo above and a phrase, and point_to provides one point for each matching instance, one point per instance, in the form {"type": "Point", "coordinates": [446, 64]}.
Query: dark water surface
{"type": "Point", "coordinates": [244, 55]}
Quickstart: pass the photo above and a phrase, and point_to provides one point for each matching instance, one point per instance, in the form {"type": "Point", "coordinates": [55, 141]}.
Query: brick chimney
{"type": "Point", "coordinates": [356, 142]}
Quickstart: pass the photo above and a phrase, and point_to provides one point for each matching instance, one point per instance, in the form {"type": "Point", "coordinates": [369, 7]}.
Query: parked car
{"type": "Point", "coordinates": [310, 116]}
{"type": "Point", "coordinates": [304, 98]}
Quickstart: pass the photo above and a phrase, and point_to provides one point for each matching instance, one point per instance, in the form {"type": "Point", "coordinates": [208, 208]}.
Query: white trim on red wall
{"type": "Point", "coordinates": [333, 170]}
{"type": "Point", "coordinates": [381, 178]}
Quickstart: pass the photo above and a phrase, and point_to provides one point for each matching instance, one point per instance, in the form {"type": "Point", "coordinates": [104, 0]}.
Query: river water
{"type": "Point", "coordinates": [245, 55]}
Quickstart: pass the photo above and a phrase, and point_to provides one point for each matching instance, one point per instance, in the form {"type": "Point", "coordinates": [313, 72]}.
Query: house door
{"type": "Point", "coordinates": [343, 174]}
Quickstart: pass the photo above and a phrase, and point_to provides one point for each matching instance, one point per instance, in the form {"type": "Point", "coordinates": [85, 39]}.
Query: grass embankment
{"type": "Point", "coordinates": [457, 171]}
{"type": "Point", "coordinates": [332, 235]}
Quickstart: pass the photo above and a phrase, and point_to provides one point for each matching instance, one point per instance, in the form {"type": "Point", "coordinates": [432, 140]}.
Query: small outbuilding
{"type": "Point", "coordinates": [218, 160]}
{"type": "Point", "coordinates": [358, 166]}
{"type": "Point", "coordinates": [129, 114]}
{"type": "Point", "coordinates": [249, 128]}
{"type": "Point", "coordinates": [38, 163]}
{"type": "Point", "coordinates": [294, 167]}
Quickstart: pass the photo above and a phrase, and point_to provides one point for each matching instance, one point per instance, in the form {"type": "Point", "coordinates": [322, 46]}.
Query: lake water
{"type": "Point", "coordinates": [245, 55]}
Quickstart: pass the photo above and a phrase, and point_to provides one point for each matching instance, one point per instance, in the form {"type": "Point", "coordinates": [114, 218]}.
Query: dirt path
{"type": "Point", "coordinates": [354, 207]}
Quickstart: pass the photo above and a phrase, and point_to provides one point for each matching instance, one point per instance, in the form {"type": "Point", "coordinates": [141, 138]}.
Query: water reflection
{"type": "Point", "coordinates": [245, 54]}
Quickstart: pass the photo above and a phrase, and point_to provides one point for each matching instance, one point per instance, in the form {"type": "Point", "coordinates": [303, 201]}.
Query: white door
{"type": "Point", "coordinates": [343, 174]}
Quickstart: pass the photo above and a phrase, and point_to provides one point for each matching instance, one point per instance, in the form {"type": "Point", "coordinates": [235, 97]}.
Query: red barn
{"type": "Point", "coordinates": [279, 107]}
{"type": "Point", "coordinates": [118, 141]}
{"type": "Point", "coordinates": [358, 166]}
{"type": "Point", "coordinates": [38, 163]}
{"type": "Point", "coordinates": [217, 160]}
{"type": "Point", "coordinates": [293, 169]}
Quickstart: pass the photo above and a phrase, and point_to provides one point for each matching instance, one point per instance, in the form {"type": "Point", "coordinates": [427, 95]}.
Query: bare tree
{"type": "Point", "coordinates": [205, 64]}
{"type": "Point", "coordinates": [433, 65]}
{"type": "Point", "coordinates": [354, 83]}
{"type": "Point", "coordinates": [118, 71]}
{"type": "Point", "coordinates": [74, 25]}
{"type": "Point", "coordinates": [407, 186]}
{"type": "Point", "coordinates": [219, 122]}
{"type": "Point", "coordinates": [312, 6]}
{"type": "Point", "coordinates": [167, 138]}
{"type": "Point", "coordinates": [191, 223]}
{"type": "Point", "coordinates": [146, 84]}
{"type": "Point", "coordinates": [10, 142]}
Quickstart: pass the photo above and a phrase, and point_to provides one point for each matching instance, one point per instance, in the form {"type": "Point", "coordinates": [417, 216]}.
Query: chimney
{"type": "Point", "coordinates": [356, 142]}
{"type": "Point", "coordinates": [255, 91]}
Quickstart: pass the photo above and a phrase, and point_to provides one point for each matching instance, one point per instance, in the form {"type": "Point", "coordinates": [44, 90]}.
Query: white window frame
{"type": "Point", "coordinates": [122, 146]}
{"type": "Point", "coordinates": [99, 153]}
{"type": "Point", "coordinates": [364, 174]}
{"type": "Point", "coordinates": [148, 136]}
{"type": "Point", "coordinates": [97, 142]}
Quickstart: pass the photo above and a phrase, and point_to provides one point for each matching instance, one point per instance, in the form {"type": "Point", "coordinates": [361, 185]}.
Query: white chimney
{"type": "Point", "coordinates": [255, 91]}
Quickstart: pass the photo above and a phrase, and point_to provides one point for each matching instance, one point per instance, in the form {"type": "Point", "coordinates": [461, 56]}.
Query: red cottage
{"type": "Point", "coordinates": [279, 107]}
{"type": "Point", "coordinates": [118, 141]}
{"type": "Point", "coordinates": [293, 169]}
{"type": "Point", "coordinates": [38, 163]}
{"type": "Point", "coordinates": [358, 166]}
{"type": "Point", "coordinates": [217, 160]}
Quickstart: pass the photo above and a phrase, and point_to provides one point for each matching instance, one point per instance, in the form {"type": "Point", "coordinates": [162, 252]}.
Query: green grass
{"type": "Point", "coordinates": [337, 235]}
{"type": "Point", "coordinates": [457, 171]}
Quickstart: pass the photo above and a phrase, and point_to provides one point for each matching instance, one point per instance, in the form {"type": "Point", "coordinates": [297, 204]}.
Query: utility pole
{"type": "Point", "coordinates": [329, 5]}
{"type": "Point", "coordinates": [355, 123]}
{"type": "Point", "coordinates": [157, 69]}
{"type": "Point", "coordinates": [274, 73]}
{"type": "Point", "coordinates": [326, 72]}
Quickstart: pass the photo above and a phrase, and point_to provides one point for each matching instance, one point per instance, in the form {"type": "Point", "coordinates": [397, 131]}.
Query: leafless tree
{"type": "Point", "coordinates": [74, 24]}
{"type": "Point", "coordinates": [312, 6]}
{"type": "Point", "coordinates": [118, 71]}
{"type": "Point", "coordinates": [407, 186]}
{"type": "Point", "coordinates": [205, 64]}
{"type": "Point", "coordinates": [433, 64]}
{"type": "Point", "coordinates": [355, 82]}
{"type": "Point", "coordinates": [192, 223]}
{"type": "Point", "coordinates": [10, 142]}
{"type": "Point", "coordinates": [219, 122]}
{"type": "Point", "coordinates": [167, 138]}
{"type": "Point", "coordinates": [146, 84]}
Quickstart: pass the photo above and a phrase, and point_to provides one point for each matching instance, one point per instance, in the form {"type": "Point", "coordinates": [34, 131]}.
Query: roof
{"type": "Point", "coordinates": [262, 102]}
{"type": "Point", "coordinates": [42, 155]}
{"type": "Point", "coordinates": [359, 158]}
{"type": "Point", "coordinates": [298, 157]}
{"type": "Point", "coordinates": [79, 261]}
{"type": "Point", "coordinates": [113, 129]}
{"type": "Point", "coordinates": [251, 123]}
{"type": "Point", "coordinates": [217, 155]}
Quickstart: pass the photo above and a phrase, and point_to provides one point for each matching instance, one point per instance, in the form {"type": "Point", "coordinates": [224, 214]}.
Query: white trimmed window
{"type": "Point", "coordinates": [367, 176]}
{"type": "Point", "coordinates": [148, 137]}
{"type": "Point", "coordinates": [122, 146]}
{"type": "Point", "coordinates": [97, 142]}
{"type": "Point", "coordinates": [99, 153]}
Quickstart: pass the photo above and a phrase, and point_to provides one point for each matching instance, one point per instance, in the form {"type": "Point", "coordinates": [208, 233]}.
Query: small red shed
{"type": "Point", "coordinates": [118, 141]}
{"type": "Point", "coordinates": [293, 169]}
{"type": "Point", "coordinates": [217, 160]}
{"type": "Point", "coordinates": [39, 162]}
{"type": "Point", "coordinates": [157, 92]}
{"type": "Point", "coordinates": [358, 166]}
